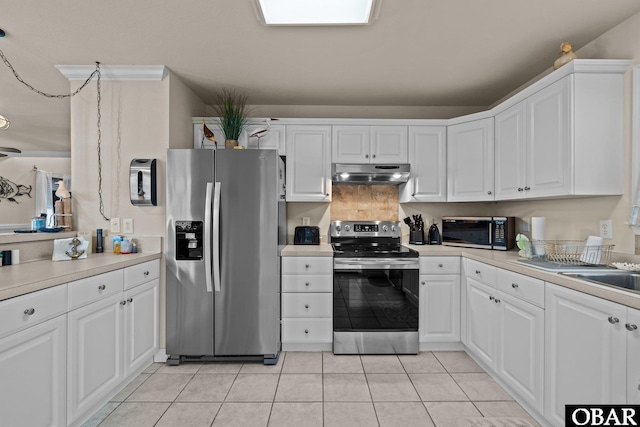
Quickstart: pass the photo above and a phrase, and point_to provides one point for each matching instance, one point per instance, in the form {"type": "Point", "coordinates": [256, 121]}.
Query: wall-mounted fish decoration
{"type": "Point", "coordinates": [10, 190]}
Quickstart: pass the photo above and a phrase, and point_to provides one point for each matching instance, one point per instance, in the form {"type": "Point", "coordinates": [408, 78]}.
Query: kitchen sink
{"type": "Point", "coordinates": [619, 279]}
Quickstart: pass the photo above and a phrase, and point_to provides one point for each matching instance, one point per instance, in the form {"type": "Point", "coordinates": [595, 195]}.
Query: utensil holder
{"type": "Point", "coordinates": [416, 237]}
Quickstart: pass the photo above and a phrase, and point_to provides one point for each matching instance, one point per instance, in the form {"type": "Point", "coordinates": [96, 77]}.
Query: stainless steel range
{"type": "Point", "coordinates": [375, 289]}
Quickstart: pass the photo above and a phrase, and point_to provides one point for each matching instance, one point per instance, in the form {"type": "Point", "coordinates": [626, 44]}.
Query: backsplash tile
{"type": "Point", "coordinates": [364, 202]}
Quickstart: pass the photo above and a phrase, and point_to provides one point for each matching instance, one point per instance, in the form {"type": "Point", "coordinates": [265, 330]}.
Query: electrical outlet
{"type": "Point", "coordinates": [127, 225]}
{"type": "Point", "coordinates": [115, 225]}
{"type": "Point", "coordinates": [606, 229]}
{"type": "Point", "coordinates": [525, 226]}
{"type": "Point", "coordinates": [306, 220]}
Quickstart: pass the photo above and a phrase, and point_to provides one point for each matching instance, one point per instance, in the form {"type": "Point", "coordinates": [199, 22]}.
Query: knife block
{"type": "Point", "coordinates": [416, 237]}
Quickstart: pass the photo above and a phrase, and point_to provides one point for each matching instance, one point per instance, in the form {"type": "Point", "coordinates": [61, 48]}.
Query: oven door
{"type": "Point", "coordinates": [375, 305]}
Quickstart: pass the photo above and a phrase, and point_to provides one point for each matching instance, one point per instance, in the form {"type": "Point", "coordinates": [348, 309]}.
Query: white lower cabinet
{"type": "Point", "coordinates": [94, 353]}
{"type": "Point", "coordinates": [506, 332]}
{"type": "Point", "coordinates": [111, 339]}
{"type": "Point", "coordinates": [586, 357]}
{"type": "Point", "coordinates": [632, 325]}
{"type": "Point", "coordinates": [307, 303]}
{"type": "Point", "coordinates": [33, 375]}
{"type": "Point", "coordinates": [439, 312]}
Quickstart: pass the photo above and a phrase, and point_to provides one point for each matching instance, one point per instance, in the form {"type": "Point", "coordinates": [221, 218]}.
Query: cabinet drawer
{"type": "Point", "coordinates": [307, 265]}
{"type": "Point", "coordinates": [94, 288]}
{"type": "Point", "coordinates": [27, 310]}
{"type": "Point", "coordinates": [307, 330]}
{"type": "Point", "coordinates": [307, 283]}
{"type": "Point", "coordinates": [306, 304]}
{"type": "Point", "coordinates": [140, 273]}
{"type": "Point", "coordinates": [439, 265]}
{"type": "Point", "coordinates": [484, 273]}
{"type": "Point", "coordinates": [524, 287]}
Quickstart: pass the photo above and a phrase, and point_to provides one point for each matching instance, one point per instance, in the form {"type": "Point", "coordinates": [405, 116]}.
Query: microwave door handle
{"type": "Point", "coordinates": [207, 236]}
{"type": "Point", "coordinates": [216, 237]}
{"type": "Point", "coordinates": [491, 233]}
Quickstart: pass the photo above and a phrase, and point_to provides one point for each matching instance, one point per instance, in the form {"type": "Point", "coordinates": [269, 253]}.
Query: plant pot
{"type": "Point", "coordinates": [230, 143]}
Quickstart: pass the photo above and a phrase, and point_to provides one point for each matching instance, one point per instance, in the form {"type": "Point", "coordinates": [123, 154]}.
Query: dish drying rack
{"type": "Point", "coordinates": [572, 252]}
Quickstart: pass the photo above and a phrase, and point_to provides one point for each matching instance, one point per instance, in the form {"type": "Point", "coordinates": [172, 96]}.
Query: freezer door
{"type": "Point", "coordinates": [189, 295]}
{"type": "Point", "coordinates": [247, 307]}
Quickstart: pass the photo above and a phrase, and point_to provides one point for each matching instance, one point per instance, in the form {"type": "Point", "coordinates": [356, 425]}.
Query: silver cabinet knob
{"type": "Point", "coordinates": [520, 189]}
{"type": "Point", "coordinates": [374, 156]}
{"type": "Point", "coordinates": [130, 300]}
{"type": "Point", "coordinates": [306, 306]}
{"type": "Point", "coordinates": [491, 297]}
{"type": "Point", "coordinates": [327, 195]}
{"type": "Point", "coordinates": [306, 266]}
{"type": "Point", "coordinates": [102, 287]}
{"type": "Point", "coordinates": [527, 188]}
{"type": "Point", "coordinates": [146, 273]}
{"type": "Point", "coordinates": [631, 326]}
{"type": "Point", "coordinates": [29, 311]}
{"type": "Point", "coordinates": [413, 194]}
{"type": "Point", "coordinates": [123, 303]}
{"type": "Point", "coordinates": [440, 265]}
{"type": "Point", "coordinates": [306, 331]}
{"type": "Point", "coordinates": [496, 300]}
{"type": "Point", "coordinates": [477, 271]}
{"type": "Point", "coordinates": [423, 283]}
{"type": "Point", "coordinates": [613, 320]}
{"type": "Point", "coordinates": [366, 156]}
{"type": "Point", "coordinates": [307, 284]}
{"type": "Point", "coordinates": [489, 192]}
{"type": "Point", "coordinates": [514, 285]}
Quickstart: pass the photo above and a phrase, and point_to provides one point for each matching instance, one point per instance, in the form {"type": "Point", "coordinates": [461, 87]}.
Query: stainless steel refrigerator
{"type": "Point", "coordinates": [226, 227]}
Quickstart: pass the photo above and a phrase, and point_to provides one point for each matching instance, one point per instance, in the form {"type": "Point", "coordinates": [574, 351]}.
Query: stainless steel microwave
{"type": "Point", "coordinates": [484, 232]}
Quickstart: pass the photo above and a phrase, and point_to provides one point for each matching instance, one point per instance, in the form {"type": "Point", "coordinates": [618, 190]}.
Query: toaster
{"type": "Point", "coordinates": [306, 235]}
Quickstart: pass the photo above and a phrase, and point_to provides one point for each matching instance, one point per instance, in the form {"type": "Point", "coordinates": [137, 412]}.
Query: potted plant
{"type": "Point", "coordinates": [232, 115]}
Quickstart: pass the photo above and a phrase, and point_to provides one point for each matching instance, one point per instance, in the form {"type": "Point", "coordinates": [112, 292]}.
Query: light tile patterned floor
{"type": "Point", "coordinates": [443, 389]}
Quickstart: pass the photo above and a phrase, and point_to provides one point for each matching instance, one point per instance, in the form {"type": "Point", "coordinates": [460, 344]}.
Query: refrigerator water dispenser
{"type": "Point", "coordinates": [189, 240]}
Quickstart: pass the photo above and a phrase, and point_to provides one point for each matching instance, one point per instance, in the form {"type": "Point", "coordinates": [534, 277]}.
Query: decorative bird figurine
{"type": "Point", "coordinates": [208, 134]}
{"type": "Point", "coordinates": [62, 192]}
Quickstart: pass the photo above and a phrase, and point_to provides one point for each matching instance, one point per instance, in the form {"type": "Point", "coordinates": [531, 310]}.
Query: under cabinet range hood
{"type": "Point", "coordinates": [343, 173]}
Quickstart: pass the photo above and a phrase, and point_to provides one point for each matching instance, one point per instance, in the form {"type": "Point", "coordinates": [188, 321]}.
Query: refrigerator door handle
{"type": "Point", "coordinates": [216, 237]}
{"type": "Point", "coordinates": [207, 236]}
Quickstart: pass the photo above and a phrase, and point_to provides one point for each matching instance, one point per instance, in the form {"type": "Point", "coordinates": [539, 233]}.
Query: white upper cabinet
{"type": "Point", "coordinates": [369, 144]}
{"type": "Point", "coordinates": [470, 174]}
{"type": "Point", "coordinates": [308, 163]}
{"type": "Point", "coordinates": [564, 139]}
{"type": "Point", "coordinates": [428, 158]}
{"type": "Point", "coordinates": [274, 139]}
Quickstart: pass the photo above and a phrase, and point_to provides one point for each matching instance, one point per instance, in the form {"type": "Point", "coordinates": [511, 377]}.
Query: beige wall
{"type": "Point", "coordinates": [140, 119]}
{"type": "Point", "coordinates": [20, 171]}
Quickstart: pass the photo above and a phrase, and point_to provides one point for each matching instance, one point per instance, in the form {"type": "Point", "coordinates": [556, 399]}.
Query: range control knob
{"type": "Point", "coordinates": [393, 228]}
{"type": "Point", "coordinates": [338, 227]}
{"type": "Point", "coordinates": [347, 227]}
{"type": "Point", "coordinates": [385, 228]}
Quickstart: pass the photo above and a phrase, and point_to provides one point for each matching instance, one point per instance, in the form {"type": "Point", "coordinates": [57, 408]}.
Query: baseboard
{"type": "Point", "coordinates": [441, 346]}
{"type": "Point", "coordinates": [306, 346]}
{"type": "Point", "coordinates": [161, 356]}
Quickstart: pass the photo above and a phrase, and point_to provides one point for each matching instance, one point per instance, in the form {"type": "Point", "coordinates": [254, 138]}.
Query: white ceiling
{"type": "Point", "coordinates": [417, 53]}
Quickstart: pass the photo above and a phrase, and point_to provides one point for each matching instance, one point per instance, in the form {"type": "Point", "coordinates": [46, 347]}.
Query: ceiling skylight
{"type": "Point", "coordinates": [317, 12]}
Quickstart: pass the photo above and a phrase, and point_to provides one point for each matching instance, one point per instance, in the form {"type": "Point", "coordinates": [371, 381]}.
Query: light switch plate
{"type": "Point", "coordinates": [115, 225]}
{"type": "Point", "coordinates": [306, 220]}
{"type": "Point", "coordinates": [127, 225]}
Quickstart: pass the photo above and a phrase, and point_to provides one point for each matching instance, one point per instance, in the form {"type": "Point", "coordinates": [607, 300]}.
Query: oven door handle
{"type": "Point", "coordinates": [375, 264]}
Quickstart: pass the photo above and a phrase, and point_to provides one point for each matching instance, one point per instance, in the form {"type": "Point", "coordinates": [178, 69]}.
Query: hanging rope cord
{"type": "Point", "coordinates": [96, 73]}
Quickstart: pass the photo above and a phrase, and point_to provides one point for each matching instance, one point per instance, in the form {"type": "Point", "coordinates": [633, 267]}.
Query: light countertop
{"type": "Point", "coordinates": [28, 277]}
{"type": "Point", "coordinates": [323, 249]}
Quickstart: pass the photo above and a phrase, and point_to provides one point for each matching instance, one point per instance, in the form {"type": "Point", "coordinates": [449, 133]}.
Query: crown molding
{"type": "Point", "coordinates": [115, 72]}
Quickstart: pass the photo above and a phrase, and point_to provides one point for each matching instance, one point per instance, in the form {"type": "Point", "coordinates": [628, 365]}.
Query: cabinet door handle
{"type": "Point", "coordinates": [496, 300]}
{"type": "Point", "coordinates": [307, 284]}
{"type": "Point", "coordinates": [29, 311]}
{"type": "Point", "coordinates": [514, 285]}
{"type": "Point", "coordinates": [306, 266]}
{"type": "Point", "coordinates": [130, 300]}
{"type": "Point", "coordinates": [374, 156]}
{"type": "Point", "coordinates": [306, 306]}
{"type": "Point", "coordinates": [123, 303]}
{"type": "Point", "coordinates": [440, 265]}
{"type": "Point", "coordinates": [366, 156]}
{"type": "Point", "coordinates": [306, 331]}
{"type": "Point", "coordinates": [613, 320]}
{"type": "Point", "coordinates": [520, 189]}
{"type": "Point", "coordinates": [146, 273]}
{"type": "Point", "coordinates": [631, 326]}
{"type": "Point", "coordinates": [527, 188]}
{"type": "Point", "coordinates": [489, 192]}
{"type": "Point", "coordinates": [424, 283]}
{"type": "Point", "coordinates": [477, 271]}
{"type": "Point", "coordinates": [102, 287]}
{"type": "Point", "coordinates": [491, 297]}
